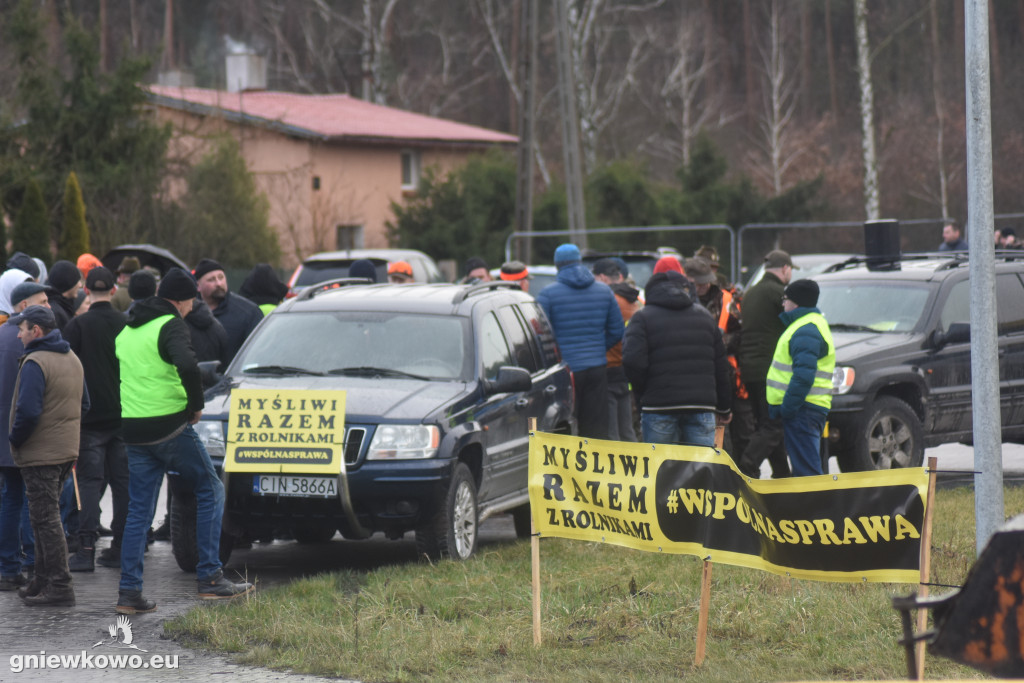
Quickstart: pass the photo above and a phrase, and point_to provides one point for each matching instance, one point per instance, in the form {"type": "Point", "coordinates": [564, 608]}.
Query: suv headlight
{"type": "Point", "coordinates": [842, 379]}
{"type": "Point", "coordinates": [211, 434]}
{"type": "Point", "coordinates": [400, 442]}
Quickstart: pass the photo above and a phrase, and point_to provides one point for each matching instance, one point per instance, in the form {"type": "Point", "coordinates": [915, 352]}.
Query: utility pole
{"type": "Point", "coordinates": [989, 509]}
{"type": "Point", "coordinates": [524, 170]}
{"type": "Point", "coordinates": [570, 129]}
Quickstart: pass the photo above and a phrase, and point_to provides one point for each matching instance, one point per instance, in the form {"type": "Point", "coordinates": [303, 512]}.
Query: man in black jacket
{"type": "Point", "coordinates": [62, 285]}
{"type": "Point", "coordinates": [238, 315]}
{"type": "Point", "coordinates": [760, 332]}
{"type": "Point", "coordinates": [675, 359]}
{"type": "Point", "coordinates": [101, 453]}
{"type": "Point", "coordinates": [161, 398]}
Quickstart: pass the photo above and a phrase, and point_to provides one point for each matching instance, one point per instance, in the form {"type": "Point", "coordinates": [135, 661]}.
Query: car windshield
{"type": "Point", "coordinates": [859, 306]}
{"type": "Point", "coordinates": [359, 344]}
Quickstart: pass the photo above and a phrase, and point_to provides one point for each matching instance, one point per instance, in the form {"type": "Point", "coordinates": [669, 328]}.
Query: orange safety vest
{"type": "Point", "coordinates": [723, 321]}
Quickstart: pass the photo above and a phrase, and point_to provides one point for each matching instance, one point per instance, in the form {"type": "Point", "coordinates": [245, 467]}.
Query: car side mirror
{"type": "Point", "coordinates": [509, 380]}
{"type": "Point", "coordinates": [208, 372]}
{"type": "Point", "coordinates": [956, 334]}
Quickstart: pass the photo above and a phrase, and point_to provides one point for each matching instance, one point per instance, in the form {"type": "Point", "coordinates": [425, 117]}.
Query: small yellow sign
{"type": "Point", "coordinates": [294, 431]}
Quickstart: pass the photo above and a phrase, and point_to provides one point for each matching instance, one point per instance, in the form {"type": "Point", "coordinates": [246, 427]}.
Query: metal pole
{"type": "Point", "coordinates": [570, 126]}
{"type": "Point", "coordinates": [988, 457]}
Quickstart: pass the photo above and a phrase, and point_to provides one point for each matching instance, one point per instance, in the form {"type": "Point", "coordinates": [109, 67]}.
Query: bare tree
{"type": "Point", "coordinates": [495, 17]}
{"type": "Point", "coordinates": [940, 115]}
{"type": "Point", "coordinates": [610, 47]}
{"type": "Point", "coordinates": [374, 49]}
{"type": "Point", "coordinates": [779, 90]}
{"type": "Point", "coordinates": [867, 114]}
{"type": "Point", "coordinates": [684, 100]}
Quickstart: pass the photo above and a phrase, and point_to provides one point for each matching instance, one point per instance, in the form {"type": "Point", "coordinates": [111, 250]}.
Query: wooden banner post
{"type": "Point", "coordinates": [926, 562]}
{"type": "Point", "coordinates": [535, 562]}
{"type": "Point", "coordinates": [705, 582]}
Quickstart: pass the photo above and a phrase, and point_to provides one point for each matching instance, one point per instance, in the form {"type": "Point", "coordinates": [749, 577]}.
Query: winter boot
{"type": "Point", "coordinates": [83, 560]}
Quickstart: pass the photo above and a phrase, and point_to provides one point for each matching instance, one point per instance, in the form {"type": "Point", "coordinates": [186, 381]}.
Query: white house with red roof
{"type": "Point", "coordinates": [330, 165]}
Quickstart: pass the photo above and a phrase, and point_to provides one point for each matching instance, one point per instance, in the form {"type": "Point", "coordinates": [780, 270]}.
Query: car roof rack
{"type": "Point", "coordinates": [329, 285]}
{"type": "Point", "coordinates": [948, 259]}
{"type": "Point", "coordinates": [473, 290]}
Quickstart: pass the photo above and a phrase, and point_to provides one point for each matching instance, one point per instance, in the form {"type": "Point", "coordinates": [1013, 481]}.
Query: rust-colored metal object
{"type": "Point", "coordinates": [982, 624]}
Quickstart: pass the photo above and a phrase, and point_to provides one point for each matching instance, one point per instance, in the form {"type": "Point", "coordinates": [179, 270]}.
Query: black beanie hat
{"type": "Point", "coordinates": [803, 293]}
{"type": "Point", "coordinates": [141, 285]}
{"type": "Point", "coordinates": [24, 262]}
{"type": "Point", "coordinates": [63, 276]}
{"type": "Point", "coordinates": [177, 285]}
{"type": "Point", "coordinates": [207, 265]}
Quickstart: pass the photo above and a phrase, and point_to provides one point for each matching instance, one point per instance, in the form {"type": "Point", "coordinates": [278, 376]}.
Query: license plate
{"type": "Point", "coordinates": [303, 487]}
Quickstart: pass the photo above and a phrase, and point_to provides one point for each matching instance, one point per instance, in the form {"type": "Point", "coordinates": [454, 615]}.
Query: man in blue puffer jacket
{"type": "Point", "coordinates": [587, 322]}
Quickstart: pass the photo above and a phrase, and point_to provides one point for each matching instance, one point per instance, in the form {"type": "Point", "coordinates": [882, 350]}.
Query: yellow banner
{"type": "Point", "coordinates": [295, 431]}
{"type": "Point", "coordinates": [858, 526]}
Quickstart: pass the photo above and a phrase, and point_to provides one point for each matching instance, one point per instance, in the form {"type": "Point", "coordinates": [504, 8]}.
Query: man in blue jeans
{"type": "Point", "coordinates": [161, 398]}
{"type": "Point", "coordinates": [675, 359]}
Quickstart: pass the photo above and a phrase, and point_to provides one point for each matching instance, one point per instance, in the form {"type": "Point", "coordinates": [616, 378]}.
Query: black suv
{"type": "Point", "coordinates": [440, 381]}
{"type": "Point", "coordinates": [903, 356]}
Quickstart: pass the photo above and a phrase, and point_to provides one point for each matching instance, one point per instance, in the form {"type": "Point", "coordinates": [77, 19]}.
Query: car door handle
{"type": "Point", "coordinates": [522, 403]}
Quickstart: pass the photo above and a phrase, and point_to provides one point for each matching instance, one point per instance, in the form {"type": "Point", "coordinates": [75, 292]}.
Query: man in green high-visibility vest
{"type": "Point", "coordinates": [161, 398]}
{"type": "Point", "coordinates": [799, 386]}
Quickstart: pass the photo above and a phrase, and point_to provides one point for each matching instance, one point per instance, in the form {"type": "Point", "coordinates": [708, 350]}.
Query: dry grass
{"type": "Point", "coordinates": [609, 614]}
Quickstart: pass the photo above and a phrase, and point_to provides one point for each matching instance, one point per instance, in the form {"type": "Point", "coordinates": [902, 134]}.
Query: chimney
{"type": "Point", "coordinates": [246, 71]}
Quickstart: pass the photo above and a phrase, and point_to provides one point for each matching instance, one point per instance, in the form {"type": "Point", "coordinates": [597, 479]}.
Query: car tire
{"type": "Point", "coordinates": [313, 534]}
{"type": "Point", "coordinates": [453, 531]}
{"type": "Point", "coordinates": [889, 436]}
{"type": "Point", "coordinates": [522, 521]}
{"type": "Point", "coordinates": [183, 533]}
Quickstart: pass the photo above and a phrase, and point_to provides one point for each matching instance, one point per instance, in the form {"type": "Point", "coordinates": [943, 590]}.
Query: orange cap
{"type": "Point", "coordinates": [87, 262]}
{"type": "Point", "coordinates": [401, 267]}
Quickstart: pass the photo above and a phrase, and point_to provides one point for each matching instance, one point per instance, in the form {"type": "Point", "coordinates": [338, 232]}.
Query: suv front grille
{"type": "Point", "coordinates": [353, 444]}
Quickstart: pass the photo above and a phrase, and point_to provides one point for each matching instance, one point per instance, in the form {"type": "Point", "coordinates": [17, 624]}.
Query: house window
{"type": "Point", "coordinates": [410, 169]}
{"type": "Point", "coordinates": [350, 236]}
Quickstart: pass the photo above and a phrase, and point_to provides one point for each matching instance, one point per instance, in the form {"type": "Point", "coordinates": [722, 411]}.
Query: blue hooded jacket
{"type": "Point", "coordinates": [584, 315]}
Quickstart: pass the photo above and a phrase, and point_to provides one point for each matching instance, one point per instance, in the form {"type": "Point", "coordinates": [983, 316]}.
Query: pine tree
{"type": "Point", "coordinates": [32, 227]}
{"type": "Point", "coordinates": [74, 235]}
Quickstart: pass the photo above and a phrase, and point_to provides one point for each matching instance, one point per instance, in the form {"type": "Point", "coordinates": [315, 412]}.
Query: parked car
{"type": "Point", "coordinates": [640, 263]}
{"type": "Point", "coordinates": [903, 357]}
{"type": "Point", "coordinates": [804, 265]}
{"type": "Point", "coordinates": [540, 276]}
{"type": "Point", "coordinates": [440, 382]}
{"type": "Point", "coordinates": [331, 265]}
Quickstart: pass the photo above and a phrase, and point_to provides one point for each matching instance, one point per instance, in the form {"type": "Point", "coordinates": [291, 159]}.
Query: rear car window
{"type": "Point", "coordinates": [315, 272]}
{"type": "Point", "coordinates": [538, 322]}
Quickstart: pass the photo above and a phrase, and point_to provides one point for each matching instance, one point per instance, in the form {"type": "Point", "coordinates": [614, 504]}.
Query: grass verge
{"type": "Point", "coordinates": [609, 614]}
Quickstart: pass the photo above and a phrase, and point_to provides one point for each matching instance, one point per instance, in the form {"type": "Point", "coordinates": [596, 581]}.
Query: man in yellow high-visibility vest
{"type": "Point", "coordinates": [799, 386]}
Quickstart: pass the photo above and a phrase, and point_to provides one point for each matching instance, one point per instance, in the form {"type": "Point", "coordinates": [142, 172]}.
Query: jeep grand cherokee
{"type": "Point", "coordinates": [903, 365]}
{"type": "Point", "coordinates": [440, 381]}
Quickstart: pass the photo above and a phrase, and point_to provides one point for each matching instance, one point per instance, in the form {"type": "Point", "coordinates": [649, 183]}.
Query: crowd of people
{"type": "Point", "coordinates": [682, 358]}
{"type": "Point", "coordinates": [100, 386]}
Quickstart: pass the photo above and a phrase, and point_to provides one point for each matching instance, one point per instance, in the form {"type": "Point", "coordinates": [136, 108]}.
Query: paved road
{"type": "Point", "coordinates": [26, 631]}
{"type": "Point", "coordinates": [69, 631]}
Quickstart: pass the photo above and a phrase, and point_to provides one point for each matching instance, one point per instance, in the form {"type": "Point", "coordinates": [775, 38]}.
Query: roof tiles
{"type": "Point", "coordinates": [328, 117]}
